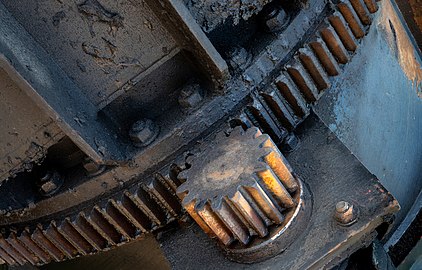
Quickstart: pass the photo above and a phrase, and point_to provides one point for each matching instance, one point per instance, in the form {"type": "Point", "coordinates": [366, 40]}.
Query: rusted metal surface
{"type": "Point", "coordinates": [241, 191]}
{"type": "Point", "coordinates": [332, 174]}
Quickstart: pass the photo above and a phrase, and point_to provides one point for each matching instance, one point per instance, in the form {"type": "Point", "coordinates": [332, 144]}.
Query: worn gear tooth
{"type": "Point", "coordinates": [86, 229]}
{"type": "Point", "coordinates": [72, 235]}
{"type": "Point", "coordinates": [371, 5]}
{"type": "Point", "coordinates": [144, 202]}
{"type": "Point", "coordinates": [164, 196]}
{"type": "Point", "coordinates": [281, 168]}
{"type": "Point", "coordinates": [120, 220]}
{"type": "Point", "coordinates": [109, 215]}
{"type": "Point", "coordinates": [22, 249]}
{"type": "Point", "coordinates": [25, 238]}
{"type": "Point", "coordinates": [265, 203]}
{"type": "Point", "coordinates": [53, 235]}
{"type": "Point", "coordinates": [334, 44]}
{"type": "Point", "coordinates": [292, 95]}
{"type": "Point", "coordinates": [343, 31]}
{"type": "Point", "coordinates": [249, 213]}
{"type": "Point", "coordinates": [301, 78]}
{"type": "Point", "coordinates": [315, 70]}
{"type": "Point", "coordinates": [134, 214]}
{"type": "Point", "coordinates": [215, 223]}
{"type": "Point", "coordinates": [257, 111]}
{"type": "Point", "coordinates": [325, 57]}
{"type": "Point", "coordinates": [280, 110]}
{"type": "Point", "coordinates": [39, 237]}
{"type": "Point", "coordinates": [352, 19]}
{"type": "Point", "coordinates": [13, 253]}
{"type": "Point", "coordinates": [101, 225]}
{"type": "Point", "coordinates": [232, 222]}
{"type": "Point", "coordinates": [270, 180]}
{"type": "Point", "coordinates": [6, 257]}
{"type": "Point", "coordinates": [361, 11]}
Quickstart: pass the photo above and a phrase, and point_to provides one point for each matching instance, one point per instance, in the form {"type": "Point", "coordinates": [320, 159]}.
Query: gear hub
{"type": "Point", "coordinates": [242, 191]}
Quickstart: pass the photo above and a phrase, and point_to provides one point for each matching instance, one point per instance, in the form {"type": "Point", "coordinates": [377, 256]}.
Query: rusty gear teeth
{"type": "Point", "coordinates": [283, 105]}
{"type": "Point", "coordinates": [239, 189]}
{"type": "Point", "coordinates": [116, 221]}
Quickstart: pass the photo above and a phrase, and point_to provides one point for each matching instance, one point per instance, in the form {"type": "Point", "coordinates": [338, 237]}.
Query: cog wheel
{"type": "Point", "coordinates": [242, 191]}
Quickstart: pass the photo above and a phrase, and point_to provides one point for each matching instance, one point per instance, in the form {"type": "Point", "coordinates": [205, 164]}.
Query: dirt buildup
{"type": "Point", "coordinates": [211, 13]}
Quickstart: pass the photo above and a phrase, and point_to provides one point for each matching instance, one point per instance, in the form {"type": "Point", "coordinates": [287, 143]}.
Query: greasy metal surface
{"type": "Point", "coordinates": [375, 107]}
{"type": "Point", "coordinates": [241, 191]}
{"type": "Point", "coordinates": [331, 173]}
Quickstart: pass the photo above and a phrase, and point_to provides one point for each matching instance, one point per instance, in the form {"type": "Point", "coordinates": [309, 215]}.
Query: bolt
{"type": "Point", "coordinates": [240, 58]}
{"type": "Point", "coordinates": [92, 168]}
{"type": "Point", "coordinates": [143, 132]}
{"type": "Point", "coordinates": [190, 95]}
{"type": "Point", "coordinates": [50, 183]}
{"type": "Point", "coordinates": [346, 214]}
{"type": "Point", "coordinates": [277, 20]}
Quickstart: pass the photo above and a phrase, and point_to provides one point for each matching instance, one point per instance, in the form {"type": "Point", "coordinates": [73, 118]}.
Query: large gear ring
{"type": "Point", "coordinates": [241, 191]}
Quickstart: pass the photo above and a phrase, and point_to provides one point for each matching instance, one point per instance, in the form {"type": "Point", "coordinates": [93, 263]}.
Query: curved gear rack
{"type": "Point", "coordinates": [242, 191]}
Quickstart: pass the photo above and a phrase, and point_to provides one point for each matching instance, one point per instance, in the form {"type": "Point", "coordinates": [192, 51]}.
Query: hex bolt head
{"type": "Point", "coordinates": [92, 168]}
{"type": "Point", "coordinates": [143, 132]}
{"type": "Point", "coordinates": [50, 183]}
{"type": "Point", "coordinates": [190, 95]}
{"type": "Point", "coordinates": [345, 213]}
{"type": "Point", "coordinates": [277, 20]}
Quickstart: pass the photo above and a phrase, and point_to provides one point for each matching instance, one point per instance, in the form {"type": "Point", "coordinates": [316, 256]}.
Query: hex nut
{"type": "Point", "coordinates": [50, 183]}
{"type": "Point", "coordinates": [278, 21]}
{"type": "Point", "coordinates": [190, 95]}
{"type": "Point", "coordinates": [92, 168]}
{"type": "Point", "coordinates": [345, 213]}
{"type": "Point", "coordinates": [143, 132]}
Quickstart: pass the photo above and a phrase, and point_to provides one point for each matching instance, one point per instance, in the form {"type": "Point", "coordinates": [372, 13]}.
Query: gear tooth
{"type": "Point", "coordinates": [343, 31]}
{"type": "Point", "coordinates": [361, 11]}
{"type": "Point", "coordinates": [249, 213]}
{"type": "Point", "coordinates": [265, 203]}
{"type": "Point", "coordinates": [42, 241]}
{"type": "Point", "coordinates": [214, 222]}
{"type": "Point", "coordinates": [273, 184]}
{"type": "Point", "coordinates": [371, 5]}
{"type": "Point", "coordinates": [352, 19]}
{"type": "Point", "coordinates": [232, 222]}
{"type": "Point", "coordinates": [281, 168]}
{"type": "Point", "coordinates": [12, 252]}
{"type": "Point", "coordinates": [334, 44]}
{"type": "Point", "coordinates": [22, 249]}
{"type": "Point", "coordinates": [86, 229]}
{"type": "Point", "coordinates": [54, 236]}
{"type": "Point", "coordinates": [67, 230]}
{"type": "Point", "coordinates": [25, 238]}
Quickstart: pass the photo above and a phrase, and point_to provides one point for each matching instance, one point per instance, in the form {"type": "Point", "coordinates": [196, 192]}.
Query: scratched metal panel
{"type": "Point", "coordinates": [26, 132]}
{"type": "Point", "coordinates": [100, 44]}
{"type": "Point", "coordinates": [375, 107]}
